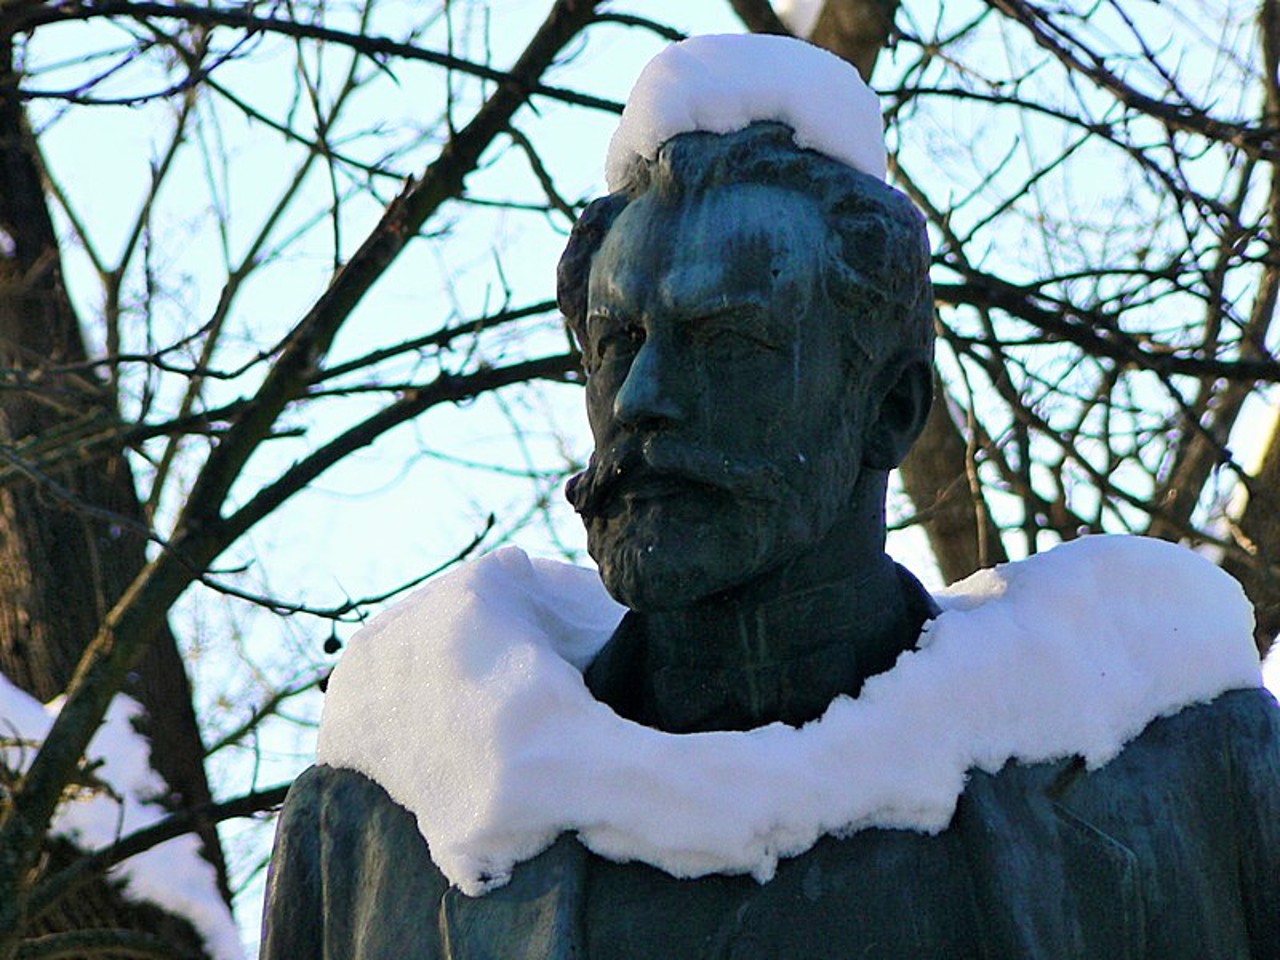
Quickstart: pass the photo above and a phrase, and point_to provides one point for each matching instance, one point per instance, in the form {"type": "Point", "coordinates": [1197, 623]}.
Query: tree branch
{"type": "Point", "coordinates": [89, 943]}
{"type": "Point", "coordinates": [92, 865]}
{"type": "Point", "coordinates": [1185, 117]}
{"type": "Point", "coordinates": [377, 48]}
{"type": "Point", "coordinates": [758, 17]}
{"type": "Point", "coordinates": [447, 388]}
{"type": "Point", "coordinates": [201, 532]}
{"type": "Point", "coordinates": [1095, 334]}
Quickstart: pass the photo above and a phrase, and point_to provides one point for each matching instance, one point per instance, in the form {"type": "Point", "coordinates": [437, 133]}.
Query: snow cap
{"type": "Point", "coordinates": [720, 84]}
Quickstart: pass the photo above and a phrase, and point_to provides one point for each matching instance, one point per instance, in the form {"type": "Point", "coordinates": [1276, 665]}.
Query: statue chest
{"type": "Point", "coordinates": [877, 894]}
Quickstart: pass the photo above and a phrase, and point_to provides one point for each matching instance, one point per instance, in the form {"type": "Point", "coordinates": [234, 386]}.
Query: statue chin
{"type": "Point", "coordinates": [647, 583]}
{"type": "Point", "coordinates": [671, 563]}
{"type": "Point", "coordinates": [662, 555]}
{"type": "Point", "coordinates": [665, 566]}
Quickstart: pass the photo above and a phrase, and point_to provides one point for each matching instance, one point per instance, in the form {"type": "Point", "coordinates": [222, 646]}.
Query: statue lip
{"type": "Point", "coordinates": [652, 485]}
{"type": "Point", "coordinates": [630, 479]}
{"type": "Point", "coordinates": [643, 472]}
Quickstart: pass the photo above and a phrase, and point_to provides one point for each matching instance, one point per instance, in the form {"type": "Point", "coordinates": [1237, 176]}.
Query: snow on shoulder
{"type": "Point", "coordinates": [720, 84]}
{"type": "Point", "coordinates": [466, 703]}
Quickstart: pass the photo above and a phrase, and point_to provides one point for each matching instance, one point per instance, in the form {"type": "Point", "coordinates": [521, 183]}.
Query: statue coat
{"type": "Point", "coordinates": [1170, 851]}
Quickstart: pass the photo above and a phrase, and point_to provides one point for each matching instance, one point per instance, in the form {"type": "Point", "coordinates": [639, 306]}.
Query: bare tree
{"type": "Point", "coordinates": [124, 462]}
{"type": "Point", "coordinates": [1100, 184]}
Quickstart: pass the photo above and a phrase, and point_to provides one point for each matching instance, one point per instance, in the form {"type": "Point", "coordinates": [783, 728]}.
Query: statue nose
{"type": "Point", "coordinates": [651, 392]}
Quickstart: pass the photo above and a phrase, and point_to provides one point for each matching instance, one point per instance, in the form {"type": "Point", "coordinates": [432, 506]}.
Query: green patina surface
{"type": "Point", "coordinates": [756, 324]}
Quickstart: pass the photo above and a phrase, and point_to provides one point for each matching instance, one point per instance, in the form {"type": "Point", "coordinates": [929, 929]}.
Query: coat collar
{"type": "Point", "coordinates": [510, 749]}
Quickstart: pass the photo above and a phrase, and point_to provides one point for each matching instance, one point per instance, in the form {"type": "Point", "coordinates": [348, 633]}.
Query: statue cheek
{"type": "Point", "coordinates": [602, 390]}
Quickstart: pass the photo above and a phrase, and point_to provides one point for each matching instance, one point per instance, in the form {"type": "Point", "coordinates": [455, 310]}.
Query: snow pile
{"type": "Point", "coordinates": [1271, 670]}
{"type": "Point", "coordinates": [466, 703]}
{"type": "Point", "coordinates": [172, 875]}
{"type": "Point", "coordinates": [713, 83]}
{"type": "Point", "coordinates": [799, 16]}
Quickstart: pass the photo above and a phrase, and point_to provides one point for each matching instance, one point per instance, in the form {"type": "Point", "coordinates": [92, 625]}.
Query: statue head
{"type": "Point", "coordinates": [756, 323]}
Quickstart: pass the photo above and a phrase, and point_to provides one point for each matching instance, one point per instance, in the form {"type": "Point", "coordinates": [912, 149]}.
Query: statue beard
{"type": "Point", "coordinates": [671, 522]}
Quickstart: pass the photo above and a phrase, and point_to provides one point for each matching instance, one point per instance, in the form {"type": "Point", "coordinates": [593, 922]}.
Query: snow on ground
{"type": "Point", "coordinates": [800, 16]}
{"type": "Point", "coordinates": [713, 83]}
{"type": "Point", "coordinates": [172, 875]}
{"type": "Point", "coordinates": [466, 702]}
{"type": "Point", "coordinates": [1271, 670]}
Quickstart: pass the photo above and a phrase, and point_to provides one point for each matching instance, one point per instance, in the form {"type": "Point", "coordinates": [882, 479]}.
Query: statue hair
{"type": "Point", "coordinates": [877, 265]}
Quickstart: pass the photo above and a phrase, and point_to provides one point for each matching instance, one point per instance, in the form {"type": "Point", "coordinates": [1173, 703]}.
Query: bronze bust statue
{"type": "Point", "coordinates": [756, 325]}
{"type": "Point", "coordinates": [748, 395]}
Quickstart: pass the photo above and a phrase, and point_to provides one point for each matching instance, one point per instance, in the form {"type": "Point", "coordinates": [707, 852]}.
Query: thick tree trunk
{"type": "Point", "coordinates": [856, 30]}
{"type": "Point", "coordinates": [73, 538]}
{"type": "Point", "coordinates": [1259, 524]}
{"type": "Point", "coordinates": [937, 476]}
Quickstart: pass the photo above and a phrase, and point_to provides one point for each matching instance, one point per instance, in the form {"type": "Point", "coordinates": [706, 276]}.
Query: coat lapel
{"type": "Point", "coordinates": [1038, 869]}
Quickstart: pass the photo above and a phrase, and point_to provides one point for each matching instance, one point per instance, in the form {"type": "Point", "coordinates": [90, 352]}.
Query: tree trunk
{"type": "Point", "coordinates": [1259, 525]}
{"type": "Point", "coordinates": [856, 30]}
{"type": "Point", "coordinates": [71, 538]}
{"type": "Point", "coordinates": [937, 476]}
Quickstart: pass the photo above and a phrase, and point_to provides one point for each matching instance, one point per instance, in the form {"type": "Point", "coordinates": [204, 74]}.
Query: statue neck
{"type": "Point", "coordinates": [779, 648]}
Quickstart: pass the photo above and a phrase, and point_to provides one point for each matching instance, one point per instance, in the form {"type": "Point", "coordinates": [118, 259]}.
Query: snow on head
{"type": "Point", "coordinates": [467, 704]}
{"type": "Point", "coordinates": [720, 84]}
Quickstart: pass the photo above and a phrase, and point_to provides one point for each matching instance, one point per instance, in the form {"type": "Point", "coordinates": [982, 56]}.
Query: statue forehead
{"type": "Point", "coordinates": [700, 245]}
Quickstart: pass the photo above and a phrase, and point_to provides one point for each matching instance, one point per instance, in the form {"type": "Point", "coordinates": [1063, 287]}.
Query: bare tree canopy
{"type": "Point", "coordinates": [271, 269]}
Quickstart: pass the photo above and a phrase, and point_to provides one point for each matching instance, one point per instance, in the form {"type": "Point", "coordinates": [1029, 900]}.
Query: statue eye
{"type": "Point", "coordinates": [735, 337]}
{"type": "Point", "coordinates": [613, 339]}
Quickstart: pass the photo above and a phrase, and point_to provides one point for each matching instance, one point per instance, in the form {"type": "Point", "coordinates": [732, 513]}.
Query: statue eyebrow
{"type": "Point", "coordinates": [747, 317]}
{"type": "Point", "coordinates": [615, 299]}
{"type": "Point", "coordinates": [751, 310]}
{"type": "Point", "coordinates": [712, 303]}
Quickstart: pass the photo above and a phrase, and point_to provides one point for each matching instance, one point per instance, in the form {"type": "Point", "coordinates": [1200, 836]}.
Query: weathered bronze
{"type": "Point", "coordinates": [756, 365]}
{"type": "Point", "coordinates": [756, 323]}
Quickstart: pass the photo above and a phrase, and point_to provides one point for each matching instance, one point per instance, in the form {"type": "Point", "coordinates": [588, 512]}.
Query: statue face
{"type": "Point", "coordinates": [726, 427]}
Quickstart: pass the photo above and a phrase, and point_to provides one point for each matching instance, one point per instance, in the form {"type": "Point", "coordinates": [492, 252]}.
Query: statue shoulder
{"type": "Point", "coordinates": [1256, 711]}
{"type": "Point", "coordinates": [354, 809]}
{"type": "Point", "coordinates": [350, 875]}
{"type": "Point", "coordinates": [1238, 732]}
{"type": "Point", "coordinates": [1252, 719]}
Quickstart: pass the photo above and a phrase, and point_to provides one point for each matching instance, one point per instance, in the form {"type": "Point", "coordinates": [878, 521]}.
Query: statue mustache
{"type": "Point", "coordinates": [627, 466]}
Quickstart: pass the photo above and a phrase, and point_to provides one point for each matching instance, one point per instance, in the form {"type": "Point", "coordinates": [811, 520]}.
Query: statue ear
{"type": "Point", "coordinates": [904, 388]}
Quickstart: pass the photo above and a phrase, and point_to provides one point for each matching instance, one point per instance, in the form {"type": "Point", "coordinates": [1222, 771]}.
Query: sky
{"type": "Point", "coordinates": [403, 506]}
